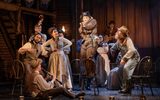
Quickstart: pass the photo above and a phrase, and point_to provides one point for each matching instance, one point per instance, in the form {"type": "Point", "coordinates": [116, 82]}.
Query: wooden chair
{"type": "Point", "coordinates": [157, 70]}
{"type": "Point", "coordinates": [89, 72]}
{"type": "Point", "coordinates": [18, 73]}
{"type": "Point", "coordinates": [143, 73]}
{"type": "Point", "coordinates": [75, 67]}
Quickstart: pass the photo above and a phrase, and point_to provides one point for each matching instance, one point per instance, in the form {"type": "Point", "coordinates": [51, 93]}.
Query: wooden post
{"type": "Point", "coordinates": [81, 6]}
{"type": "Point", "coordinates": [19, 22]}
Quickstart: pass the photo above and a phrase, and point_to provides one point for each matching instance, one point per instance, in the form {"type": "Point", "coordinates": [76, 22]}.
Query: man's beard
{"type": "Point", "coordinates": [36, 41]}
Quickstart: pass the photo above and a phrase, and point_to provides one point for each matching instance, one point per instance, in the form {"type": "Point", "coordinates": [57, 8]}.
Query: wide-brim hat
{"type": "Point", "coordinates": [34, 63]}
{"type": "Point", "coordinates": [86, 13]}
{"type": "Point", "coordinates": [60, 31]}
{"type": "Point", "coordinates": [124, 30]}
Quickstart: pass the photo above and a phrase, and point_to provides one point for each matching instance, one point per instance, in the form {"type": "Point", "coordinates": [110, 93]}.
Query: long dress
{"type": "Point", "coordinates": [58, 65]}
{"type": "Point", "coordinates": [102, 64]}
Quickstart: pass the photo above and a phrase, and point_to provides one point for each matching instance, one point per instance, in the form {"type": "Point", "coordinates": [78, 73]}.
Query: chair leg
{"type": "Point", "coordinates": [14, 84]}
{"type": "Point", "coordinates": [82, 84]}
{"type": "Point", "coordinates": [94, 89]}
{"type": "Point", "coordinates": [21, 87]}
{"type": "Point", "coordinates": [95, 86]}
{"type": "Point", "coordinates": [141, 83]}
{"type": "Point", "coordinates": [79, 81]}
{"type": "Point", "coordinates": [73, 83]}
{"type": "Point", "coordinates": [150, 86]}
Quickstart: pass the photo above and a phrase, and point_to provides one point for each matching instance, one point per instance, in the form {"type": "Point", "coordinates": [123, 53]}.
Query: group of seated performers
{"type": "Point", "coordinates": [40, 52]}
{"type": "Point", "coordinates": [114, 46]}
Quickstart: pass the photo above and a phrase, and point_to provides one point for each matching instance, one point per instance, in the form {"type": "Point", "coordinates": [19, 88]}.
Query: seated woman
{"type": "Point", "coordinates": [39, 87]}
{"type": "Point", "coordinates": [102, 62]}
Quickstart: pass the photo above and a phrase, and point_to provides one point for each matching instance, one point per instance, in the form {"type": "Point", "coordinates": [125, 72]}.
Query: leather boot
{"type": "Point", "coordinates": [127, 88]}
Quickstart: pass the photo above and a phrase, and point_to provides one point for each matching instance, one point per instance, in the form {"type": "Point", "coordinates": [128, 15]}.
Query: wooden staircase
{"type": "Point", "coordinates": [7, 42]}
{"type": "Point", "coordinates": [11, 15]}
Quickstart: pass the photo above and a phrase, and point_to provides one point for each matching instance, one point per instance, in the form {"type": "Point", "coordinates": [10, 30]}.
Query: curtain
{"type": "Point", "coordinates": [142, 17]}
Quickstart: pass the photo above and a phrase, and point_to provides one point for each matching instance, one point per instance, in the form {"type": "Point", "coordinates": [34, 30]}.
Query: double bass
{"type": "Point", "coordinates": [41, 18]}
{"type": "Point", "coordinates": [39, 25]}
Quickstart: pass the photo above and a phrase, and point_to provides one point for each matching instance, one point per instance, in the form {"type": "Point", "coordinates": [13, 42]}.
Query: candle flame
{"type": "Point", "coordinates": [63, 28]}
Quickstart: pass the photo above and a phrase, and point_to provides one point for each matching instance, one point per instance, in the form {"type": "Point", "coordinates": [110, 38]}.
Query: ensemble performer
{"type": "Point", "coordinates": [102, 62]}
{"type": "Point", "coordinates": [58, 65]}
{"type": "Point", "coordinates": [66, 52]}
{"type": "Point", "coordinates": [38, 29]}
{"type": "Point", "coordinates": [31, 50]}
{"type": "Point", "coordinates": [88, 27]}
{"type": "Point", "coordinates": [42, 89]}
{"type": "Point", "coordinates": [129, 56]}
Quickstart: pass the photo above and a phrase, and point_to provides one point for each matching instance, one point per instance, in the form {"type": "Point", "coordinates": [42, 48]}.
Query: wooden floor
{"type": "Point", "coordinates": [5, 94]}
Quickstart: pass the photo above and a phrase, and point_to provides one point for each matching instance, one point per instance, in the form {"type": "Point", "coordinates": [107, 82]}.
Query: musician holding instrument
{"type": "Point", "coordinates": [31, 50]}
{"type": "Point", "coordinates": [38, 29]}
{"type": "Point", "coordinates": [41, 89]}
{"type": "Point", "coordinates": [58, 65]}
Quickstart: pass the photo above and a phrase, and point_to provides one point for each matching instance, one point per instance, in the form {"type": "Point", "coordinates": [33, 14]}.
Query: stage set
{"type": "Point", "coordinates": [104, 94]}
{"type": "Point", "coordinates": [79, 50]}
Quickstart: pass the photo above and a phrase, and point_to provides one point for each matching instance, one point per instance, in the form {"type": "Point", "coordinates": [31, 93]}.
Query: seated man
{"type": "Point", "coordinates": [39, 87]}
{"type": "Point", "coordinates": [129, 56]}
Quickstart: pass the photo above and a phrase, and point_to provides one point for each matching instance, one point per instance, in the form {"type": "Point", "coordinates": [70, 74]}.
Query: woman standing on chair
{"type": "Point", "coordinates": [88, 29]}
{"type": "Point", "coordinates": [129, 56]}
{"type": "Point", "coordinates": [57, 61]}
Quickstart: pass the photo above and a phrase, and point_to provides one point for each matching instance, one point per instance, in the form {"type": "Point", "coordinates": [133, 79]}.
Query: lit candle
{"type": "Point", "coordinates": [63, 28]}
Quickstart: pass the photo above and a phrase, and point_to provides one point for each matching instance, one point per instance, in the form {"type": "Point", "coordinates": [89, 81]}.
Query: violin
{"type": "Point", "coordinates": [50, 76]}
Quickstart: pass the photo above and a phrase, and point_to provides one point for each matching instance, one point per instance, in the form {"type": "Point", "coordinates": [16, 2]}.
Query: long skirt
{"type": "Point", "coordinates": [102, 66]}
{"type": "Point", "coordinates": [115, 78]}
{"type": "Point", "coordinates": [58, 65]}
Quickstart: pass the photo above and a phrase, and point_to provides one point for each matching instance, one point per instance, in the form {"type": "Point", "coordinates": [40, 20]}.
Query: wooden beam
{"type": "Point", "coordinates": [30, 10]}
{"type": "Point", "coordinates": [8, 6]}
{"type": "Point", "coordinates": [14, 7]}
